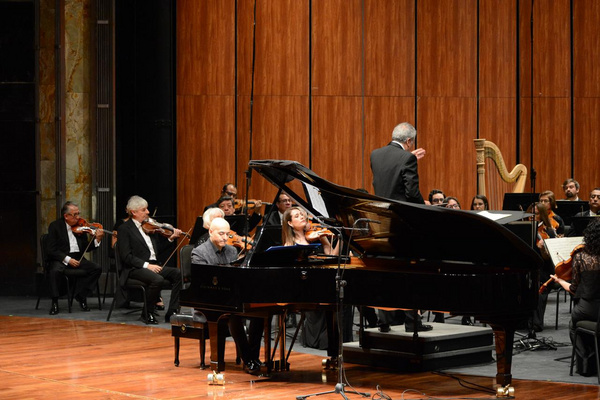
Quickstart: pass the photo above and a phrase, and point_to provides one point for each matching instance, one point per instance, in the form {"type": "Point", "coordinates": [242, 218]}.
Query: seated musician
{"type": "Point", "coordinates": [228, 189]}
{"type": "Point", "coordinates": [319, 331]}
{"type": "Point", "coordinates": [571, 188]}
{"type": "Point", "coordinates": [226, 203]}
{"type": "Point", "coordinates": [480, 203]}
{"type": "Point", "coordinates": [547, 198]}
{"type": "Point", "coordinates": [585, 287]}
{"type": "Point", "coordinates": [207, 217]}
{"type": "Point", "coordinates": [65, 252]}
{"type": "Point", "coordinates": [546, 228]}
{"type": "Point", "coordinates": [216, 251]}
{"type": "Point", "coordinates": [452, 202]}
{"type": "Point", "coordinates": [283, 203]}
{"type": "Point", "coordinates": [436, 197]}
{"type": "Point", "coordinates": [594, 210]}
{"type": "Point", "coordinates": [140, 253]}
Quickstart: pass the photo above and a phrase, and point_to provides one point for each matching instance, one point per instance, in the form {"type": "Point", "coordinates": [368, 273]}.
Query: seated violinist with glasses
{"type": "Point", "coordinates": [67, 242]}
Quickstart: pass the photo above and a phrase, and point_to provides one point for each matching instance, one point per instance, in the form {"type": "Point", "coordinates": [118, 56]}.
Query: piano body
{"type": "Point", "coordinates": [416, 257]}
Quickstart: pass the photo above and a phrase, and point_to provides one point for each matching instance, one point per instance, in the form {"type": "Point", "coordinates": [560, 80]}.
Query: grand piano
{"type": "Point", "coordinates": [403, 256]}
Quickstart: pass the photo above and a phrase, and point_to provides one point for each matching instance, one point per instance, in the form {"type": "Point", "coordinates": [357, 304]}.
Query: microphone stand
{"type": "Point", "coordinates": [340, 284]}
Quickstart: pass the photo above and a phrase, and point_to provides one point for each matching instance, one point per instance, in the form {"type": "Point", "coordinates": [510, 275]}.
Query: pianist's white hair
{"type": "Point", "coordinates": [403, 132]}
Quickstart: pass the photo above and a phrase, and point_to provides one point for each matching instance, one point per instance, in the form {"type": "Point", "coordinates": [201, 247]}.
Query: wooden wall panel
{"type": "Point", "coordinates": [447, 48]}
{"type": "Point", "coordinates": [552, 139]}
{"type": "Point", "coordinates": [446, 130]}
{"type": "Point", "coordinates": [587, 143]}
{"type": "Point", "coordinates": [586, 42]}
{"type": "Point", "coordinates": [205, 45]}
{"type": "Point", "coordinates": [205, 145]}
{"type": "Point", "coordinates": [497, 48]}
{"type": "Point", "coordinates": [336, 49]}
{"type": "Point", "coordinates": [282, 41]}
{"type": "Point", "coordinates": [337, 139]}
{"type": "Point", "coordinates": [280, 132]}
{"type": "Point", "coordinates": [551, 46]}
{"type": "Point", "coordinates": [382, 116]}
{"type": "Point", "coordinates": [497, 122]}
{"type": "Point", "coordinates": [390, 48]}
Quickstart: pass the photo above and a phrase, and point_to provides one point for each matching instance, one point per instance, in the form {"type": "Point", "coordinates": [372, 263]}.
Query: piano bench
{"type": "Point", "coordinates": [189, 327]}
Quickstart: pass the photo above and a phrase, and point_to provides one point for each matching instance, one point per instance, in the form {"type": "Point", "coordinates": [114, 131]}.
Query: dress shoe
{"type": "Point", "coordinates": [149, 320]}
{"type": "Point", "coordinates": [82, 303]}
{"type": "Point", "coordinates": [384, 328]}
{"type": "Point", "coordinates": [54, 309]}
{"type": "Point", "coordinates": [420, 327]}
{"type": "Point", "coordinates": [252, 367]}
{"type": "Point", "coordinates": [466, 321]}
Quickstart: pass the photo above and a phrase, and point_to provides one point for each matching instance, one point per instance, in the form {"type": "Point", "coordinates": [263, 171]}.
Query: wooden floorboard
{"type": "Point", "coordinates": [70, 359]}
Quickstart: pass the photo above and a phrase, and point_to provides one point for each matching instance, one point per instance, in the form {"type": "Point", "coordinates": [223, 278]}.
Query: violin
{"type": "Point", "coordinates": [82, 226]}
{"type": "Point", "coordinates": [315, 231]}
{"type": "Point", "coordinates": [152, 226]}
{"type": "Point", "coordinates": [241, 242]}
{"type": "Point", "coordinates": [240, 203]}
{"type": "Point", "coordinates": [563, 269]}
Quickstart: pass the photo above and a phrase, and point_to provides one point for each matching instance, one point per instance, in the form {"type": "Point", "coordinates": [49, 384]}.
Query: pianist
{"type": "Point", "coordinates": [216, 251]}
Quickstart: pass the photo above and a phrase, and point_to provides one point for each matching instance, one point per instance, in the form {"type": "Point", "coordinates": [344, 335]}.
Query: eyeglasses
{"type": "Point", "coordinates": [73, 214]}
{"type": "Point", "coordinates": [594, 196]}
{"type": "Point", "coordinates": [453, 206]}
{"type": "Point", "coordinates": [437, 200]}
{"type": "Point", "coordinates": [231, 193]}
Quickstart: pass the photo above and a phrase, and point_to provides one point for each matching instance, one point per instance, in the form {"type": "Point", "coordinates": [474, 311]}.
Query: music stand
{"type": "Point", "coordinates": [519, 201]}
{"type": "Point", "coordinates": [198, 231]}
{"type": "Point", "coordinates": [339, 313]}
{"type": "Point", "coordinates": [578, 225]}
{"type": "Point", "coordinates": [568, 209]}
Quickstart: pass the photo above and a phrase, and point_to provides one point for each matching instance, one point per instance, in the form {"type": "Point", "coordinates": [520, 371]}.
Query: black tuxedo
{"type": "Point", "coordinates": [274, 218]}
{"type": "Point", "coordinates": [58, 248]}
{"type": "Point", "coordinates": [134, 253]}
{"type": "Point", "coordinates": [395, 174]}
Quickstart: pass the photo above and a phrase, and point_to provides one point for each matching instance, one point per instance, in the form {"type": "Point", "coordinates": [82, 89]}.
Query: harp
{"type": "Point", "coordinates": [493, 178]}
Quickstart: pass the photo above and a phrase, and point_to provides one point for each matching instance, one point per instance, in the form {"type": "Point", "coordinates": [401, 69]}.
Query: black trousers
{"type": "Point", "coordinates": [156, 282]}
{"type": "Point", "coordinates": [87, 275]}
{"type": "Point", "coordinates": [249, 345]}
{"type": "Point", "coordinates": [585, 350]}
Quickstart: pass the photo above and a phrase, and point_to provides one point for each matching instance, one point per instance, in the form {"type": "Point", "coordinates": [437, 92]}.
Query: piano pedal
{"type": "Point", "coordinates": [216, 378]}
{"type": "Point", "coordinates": [330, 363]}
{"type": "Point", "coordinates": [505, 391]}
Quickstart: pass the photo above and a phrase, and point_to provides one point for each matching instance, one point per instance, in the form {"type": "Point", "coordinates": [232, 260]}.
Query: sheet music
{"type": "Point", "coordinates": [560, 248]}
{"type": "Point", "coordinates": [493, 216]}
{"type": "Point", "coordinates": [316, 200]}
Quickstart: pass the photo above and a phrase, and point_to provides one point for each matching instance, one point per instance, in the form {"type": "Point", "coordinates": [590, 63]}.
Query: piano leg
{"type": "Point", "coordinates": [217, 332]}
{"type": "Point", "coordinates": [504, 336]}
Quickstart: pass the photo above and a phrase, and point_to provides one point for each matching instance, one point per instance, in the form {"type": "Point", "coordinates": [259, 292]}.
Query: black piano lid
{"type": "Point", "coordinates": [407, 231]}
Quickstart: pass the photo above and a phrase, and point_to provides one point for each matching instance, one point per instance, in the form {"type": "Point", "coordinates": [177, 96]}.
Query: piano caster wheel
{"type": "Point", "coordinates": [505, 391]}
{"type": "Point", "coordinates": [330, 363]}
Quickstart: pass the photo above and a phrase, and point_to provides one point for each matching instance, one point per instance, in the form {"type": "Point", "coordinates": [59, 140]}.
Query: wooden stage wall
{"type": "Point", "coordinates": [457, 69]}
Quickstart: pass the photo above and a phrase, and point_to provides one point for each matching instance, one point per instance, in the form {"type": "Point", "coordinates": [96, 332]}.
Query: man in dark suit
{"type": "Point", "coordinates": [65, 251]}
{"type": "Point", "coordinates": [394, 166]}
{"type": "Point", "coordinates": [283, 203]}
{"type": "Point", "coordinates": [594, 211]}
{"type": "Point", "coordinates": [139, 253]}
{"type": "Point", "coordinates": [395, 176]}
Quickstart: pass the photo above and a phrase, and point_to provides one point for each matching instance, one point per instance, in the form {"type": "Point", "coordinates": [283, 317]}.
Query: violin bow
{"type": "Point", "coordinates": [186, 235]}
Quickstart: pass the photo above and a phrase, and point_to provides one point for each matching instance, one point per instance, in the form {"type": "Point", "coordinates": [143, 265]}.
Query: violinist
{"type": "Point", "coordinates": [207, 217]}
{"type": "Point", "coordinates": [585, 287]}
{"type": "Point", "coordinates": [226, 203]}
{"type": "Point", "coordinates": [139, 252]}
{"type": "Point", "coordinates": [283, 203]}
{"type": "Point", "coordinates": [65, 252]}
{"type": "Point", "coordinates": [548, 199]}
{"type": "Point", "coordinates": [216, 251]}
{"type": "Point", "coordinates": [546, 229]}
{"type": "Point", "coordinates": [320, 330]}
